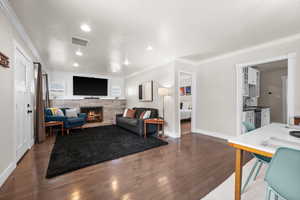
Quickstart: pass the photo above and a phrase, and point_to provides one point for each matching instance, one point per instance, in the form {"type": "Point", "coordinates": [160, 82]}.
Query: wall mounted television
{"type": "Point", "coordinates": [87, 86]}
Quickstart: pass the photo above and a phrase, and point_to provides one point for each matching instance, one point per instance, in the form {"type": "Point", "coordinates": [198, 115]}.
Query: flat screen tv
{"type": "Point", "coordinates": [86, 86]}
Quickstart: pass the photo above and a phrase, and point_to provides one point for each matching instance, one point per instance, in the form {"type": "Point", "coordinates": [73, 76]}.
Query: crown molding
{"type": "Point", "coordinates": [250, 49]}
{"type": "Point", "coordinates": [148, 69]}
{"type": "Point", "coordinates": [227, 55]}
{"type": "Point", "coordinates": [11, 15]}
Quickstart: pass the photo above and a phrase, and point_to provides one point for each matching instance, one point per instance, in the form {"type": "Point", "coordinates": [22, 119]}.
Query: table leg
{"type": "Point", "coordinates": [62, 130]}
{"type": "Point", "coordinates": [145, 130]}
{"type": "Point", "coordinates": [238, 173]}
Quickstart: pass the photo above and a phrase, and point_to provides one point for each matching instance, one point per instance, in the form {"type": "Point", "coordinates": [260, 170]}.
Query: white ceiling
{"type": "Point", "coordinates": [192, 30]}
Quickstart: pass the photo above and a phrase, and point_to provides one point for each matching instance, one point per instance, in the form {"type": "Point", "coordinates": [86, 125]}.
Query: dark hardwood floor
{"type": "Point", "coordinates": [185, 169]}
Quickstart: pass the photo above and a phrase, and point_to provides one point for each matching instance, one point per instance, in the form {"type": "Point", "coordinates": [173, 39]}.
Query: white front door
{"type": "Point", "coordinates": [24, 91]}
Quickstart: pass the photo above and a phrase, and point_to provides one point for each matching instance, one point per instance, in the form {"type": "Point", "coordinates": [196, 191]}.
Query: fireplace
{"type": "Point", "coordinates": [94, 114]}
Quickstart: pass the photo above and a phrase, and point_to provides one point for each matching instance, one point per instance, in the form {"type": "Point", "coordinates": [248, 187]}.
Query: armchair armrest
{"type": "Point", "coordinates": [140, 122]}
{"type": "Point", "coordinates": [119, 115]}
{"type": "Point", "coordinates": [82, 115]}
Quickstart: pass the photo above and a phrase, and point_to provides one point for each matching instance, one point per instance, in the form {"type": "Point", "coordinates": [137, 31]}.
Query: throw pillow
{"type": "Point", "coordinates": [142, 115]}
{"type": "Point", "coordinates": [71, 113]}
{"type": "Point", "coordinates": [54, 111]}
{"type": "Point", "coordinates": [59, 113]}
{"type": "Point", "coordinates": [130, 113]}
{"type": "Point", "coordinates": [125, 112]}
{"type": "Point", "coordinates": [147, 114]}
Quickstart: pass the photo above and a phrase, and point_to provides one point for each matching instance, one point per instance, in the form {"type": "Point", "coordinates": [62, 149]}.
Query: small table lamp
{"type": "Point", "coordinates": [163, 92]}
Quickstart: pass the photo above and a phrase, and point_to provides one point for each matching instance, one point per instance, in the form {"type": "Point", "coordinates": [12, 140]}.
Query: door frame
{"type": "Point", "coordinates": [194, 90]}
{"type": "Point", "coordinates": [284, 101]}
{"type": "Point", "coordinates": [18, 48]}
{"type": "Point", "coordinates": [291, 57]}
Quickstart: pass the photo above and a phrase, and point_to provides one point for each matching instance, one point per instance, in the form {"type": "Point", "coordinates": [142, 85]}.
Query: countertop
{"type": "Point", "coordinates": [254, 108]}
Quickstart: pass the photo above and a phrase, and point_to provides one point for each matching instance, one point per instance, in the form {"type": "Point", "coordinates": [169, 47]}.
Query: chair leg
{"type": "Point", "coordinates": [258, 169]}
{"type": "Point", "coordinates": [250, 175]}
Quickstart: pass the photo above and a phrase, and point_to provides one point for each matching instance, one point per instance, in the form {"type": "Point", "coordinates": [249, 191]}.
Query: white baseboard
{"type": "Point", "coordinates": [171, 135]}
{"type": "Point", "coordinates": [213, 134]}
{"type": "Point", "coordinates": [5, 174]}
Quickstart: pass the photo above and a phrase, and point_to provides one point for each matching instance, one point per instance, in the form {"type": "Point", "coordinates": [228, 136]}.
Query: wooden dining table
{"type": "Point", "coordinates": [263, 141]}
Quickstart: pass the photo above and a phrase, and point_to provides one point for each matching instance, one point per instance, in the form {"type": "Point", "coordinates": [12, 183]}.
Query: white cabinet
{"type": "Point", "coordinates": [251, 82]}
{"type": "Point", "coordinates": [245, 82]}
{"type": "Point", "coordinates": [252, 76]}
{"type": "Point", "coordinates": [257, 88]}
{"type": "Point", "coordinates": [249, 116]}
{"type": "Point", "coordinates": [265, 117]}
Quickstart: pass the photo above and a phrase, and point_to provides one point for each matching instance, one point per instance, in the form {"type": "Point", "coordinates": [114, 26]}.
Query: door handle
{"type": "Point", "coordinates": [29, 111]}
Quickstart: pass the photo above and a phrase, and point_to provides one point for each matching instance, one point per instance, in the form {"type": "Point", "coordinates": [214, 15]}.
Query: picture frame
{"type": "Point", "coordinates": [188, 90]}
{"type": "Point", "coordinates": [4, 60]}
{"type": "Point", "coordinates": [182, 91]}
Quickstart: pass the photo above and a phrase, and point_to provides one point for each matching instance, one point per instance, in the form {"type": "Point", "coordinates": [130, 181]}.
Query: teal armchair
{"type": "Point", "coordinates": [69, 123]}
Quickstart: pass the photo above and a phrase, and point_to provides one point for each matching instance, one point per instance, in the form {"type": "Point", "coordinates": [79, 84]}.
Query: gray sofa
{"type": "Point", "coordinates": [136, 125]}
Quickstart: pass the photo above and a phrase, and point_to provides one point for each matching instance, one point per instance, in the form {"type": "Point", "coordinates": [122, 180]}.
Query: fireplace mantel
{"type": "Point", "coordinates": [111, 107]}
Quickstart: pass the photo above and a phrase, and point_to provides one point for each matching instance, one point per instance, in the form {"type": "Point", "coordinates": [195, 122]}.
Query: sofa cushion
{"type": "Point", "coordinates": [138, 112]}
{"type": "Point", "coordinates": [130, 113]}
{"type": "Point", "coordinates": [75, 120]}
{"type": "Point", "coordinates": [48, 112]}
{"type": "Point", "coordinates": [129, 121]}
{"type": "Point", "coordinates": [142, 115]}
{"type": "Point", "coordinates": [71, 113]}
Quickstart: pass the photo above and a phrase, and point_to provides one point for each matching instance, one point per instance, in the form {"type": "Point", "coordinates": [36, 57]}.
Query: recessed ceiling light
{"type": "Point", "coordinates": [126, 62]}
{"type": "Point", "coordinates": [85, 28]}
{"type": "Point", "coordinates": [78, 53]}
{"type": "Point", "coordinates": [75, 65]}
{"type": "Point", "coordinates": [115, 67]}
{"type": "Point", "coordinates": [149, 48]}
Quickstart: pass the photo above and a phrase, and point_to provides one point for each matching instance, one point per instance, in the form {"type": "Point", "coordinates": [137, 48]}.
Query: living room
{"type": "Point", "coordinates": [95, 97]}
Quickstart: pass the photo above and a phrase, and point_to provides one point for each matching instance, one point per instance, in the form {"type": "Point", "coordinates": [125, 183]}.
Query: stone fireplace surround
{"type": "Point", "coordinates": [110, 107]}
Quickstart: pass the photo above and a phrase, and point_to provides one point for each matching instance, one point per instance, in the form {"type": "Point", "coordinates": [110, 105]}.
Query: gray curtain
{"type": "Point", "coordinates": [40, 133]}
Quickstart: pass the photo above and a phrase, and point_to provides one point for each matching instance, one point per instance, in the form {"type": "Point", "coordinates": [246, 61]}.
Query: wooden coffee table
{"type": "Point", "coordinates": [159, 122]}
{"type": "Point", "coordinates": [55, 123]}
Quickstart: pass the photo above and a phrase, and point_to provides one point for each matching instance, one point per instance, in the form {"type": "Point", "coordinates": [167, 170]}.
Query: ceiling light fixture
{"type": "Point", "coordinates": [149, 48]}
{"type": "Point", "coordinates": [85, 28]}
{"type": "Point", "coordinates": [78, 53]}
{"type": "Point", "coordinates": [75, 65]}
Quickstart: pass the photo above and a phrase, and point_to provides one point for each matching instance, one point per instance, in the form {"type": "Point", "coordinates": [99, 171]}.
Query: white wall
{"type": "Point", "coordinates": [66, 78]}
{"type": "Point", "coordinates": [216, 108]}
{"type": "Point", "coordinates": [7, 135]}
{"type": "Point", "coordinates": [162, 76]}
{"type": "Point", "coordinates": [270, 81]}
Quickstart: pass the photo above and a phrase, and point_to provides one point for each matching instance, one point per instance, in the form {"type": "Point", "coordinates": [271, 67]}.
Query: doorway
{"type": "Point", "coordinates": [24, 94]}
{"type": "Point", "coordinates": [185, 102]}
{"type": "Point", "coordinates": [262, 93]}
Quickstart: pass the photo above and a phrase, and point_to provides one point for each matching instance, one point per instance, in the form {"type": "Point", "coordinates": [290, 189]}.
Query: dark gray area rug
{"type": "Point", "coordinates": [95, 145]}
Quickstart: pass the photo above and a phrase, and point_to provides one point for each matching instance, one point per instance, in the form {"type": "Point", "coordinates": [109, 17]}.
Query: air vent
{"type": "Point", "coordinates": [79, 41]}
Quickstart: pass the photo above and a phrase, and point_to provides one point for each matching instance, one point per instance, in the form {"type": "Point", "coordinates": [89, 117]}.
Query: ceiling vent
{"type": "Point", "coordinates": [79, 41]}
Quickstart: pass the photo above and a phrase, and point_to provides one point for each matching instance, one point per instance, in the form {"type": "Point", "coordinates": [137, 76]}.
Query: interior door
{"type": "Point", "coordinates": [23, 100]}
